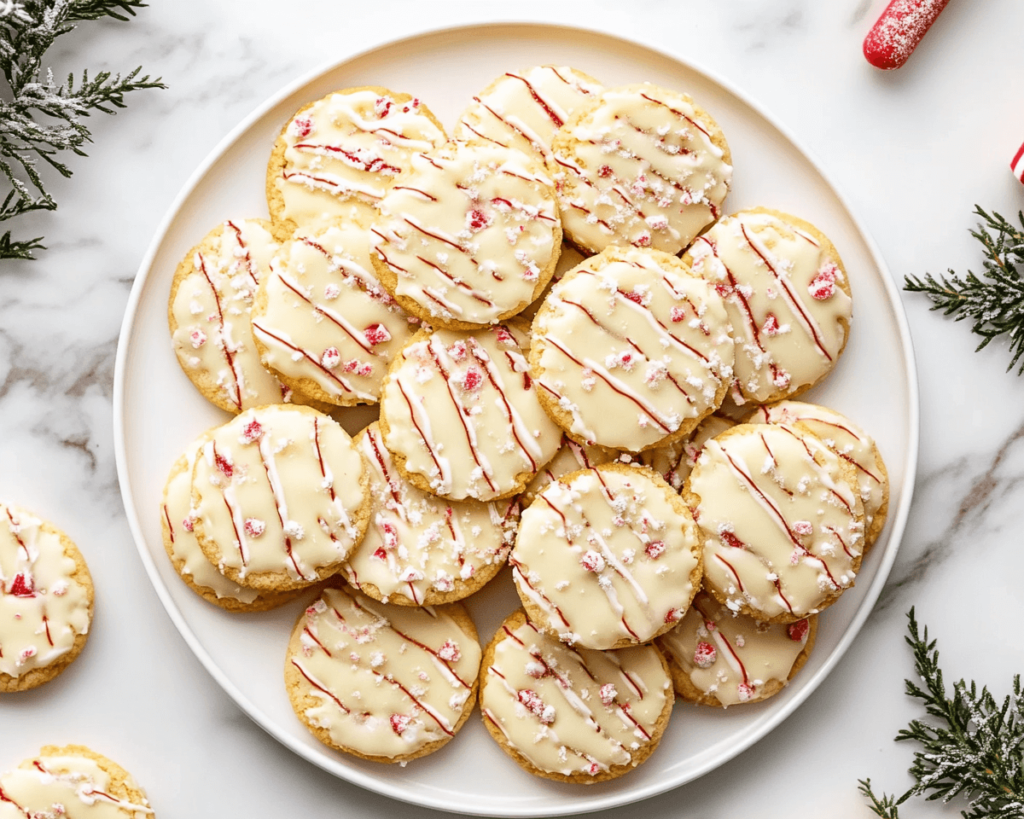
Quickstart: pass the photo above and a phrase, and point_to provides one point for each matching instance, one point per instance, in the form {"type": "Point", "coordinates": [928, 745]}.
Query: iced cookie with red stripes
{"type": "Point", "coordinates": [71, 781]}
{"type": "Point", "coordinates": [719, 658]}
{"type": "Point", "coordinates": [675, 461]}
{"type": "Point", "coordinates": [421, 550]}
{"type": "Point", "coordinates": [322, 321]}
{"type": "Point", "coordinates": [630, 351]}
{"type": "Point", "coordinates": [782, 520]}
{"type": "Point", "coordinates": [571, 457]}
{"type": "Point", "coordinates": [383, 683]}
{"type": "Point", "coordinates": [849, 442]}
{"type": "Point", "coordinates": [469, 236]}
{"type": "Point", "coordinates": [524, 109]}
{"type": "Point", "coordinates": [607, 557]}
{"type": "Point", "coordinates": [788, 298]}
{"type": "Point", "coordinates": [280, 497]}
{"type": "Point", "coordinates": [337, 156]}
{"type": "Point", "coordinates": [461, 417]}
{"type": "Point", "coordinates": [640, 165]}
{"type": "Point", "coordinates": [573, 715]}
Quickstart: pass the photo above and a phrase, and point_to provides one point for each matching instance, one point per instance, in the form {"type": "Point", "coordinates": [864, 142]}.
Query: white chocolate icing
{"type": "Point", "coordinates": [53, 787]}
{"type": "Point", "coordinates": [179, 520]}
{"type": "Point", "coordinates": [211, 308]}
{"type": "Point", "coordinates": [389, 679]}
{"type": "Point", "coordinates": [789, 314]}
{"type": "Point", "coordinates": [278, 490]}
{"type": "Point", "coordinates": [574, 711]}
{"type": "Point", "coordinates": [43, 609]}
{"type": "Point", "coordinates": [607, 557]}
{"type": "Point", "coordinates": [571, 457]}
{"type": "Point", "coordinates": [783, 525]}
{"type": "Point", "coordinates": [417, 543]}
{"type": "Point", "coordinates": [323, 315]}
{"type": "Point", "coordinates": [344, 151]}
{"type": "Point", "coordinates": [470, 232]}
{"type": "Point", "coordinates": [632, 348]}
{"type": "Point", "coordinates": [524, 109]}
{"type": "Point", "coordinates": [675, 461]}
{"type": "Point", "coordinates": [639, 169]}
{"type": "Point", "coordinates": [460, 407]}
{"type": "Point", "coordinates": [731, 658]}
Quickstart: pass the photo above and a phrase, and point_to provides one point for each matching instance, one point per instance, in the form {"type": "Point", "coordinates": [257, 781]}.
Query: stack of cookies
{"type": "Point", "coordinates": [584, 369]}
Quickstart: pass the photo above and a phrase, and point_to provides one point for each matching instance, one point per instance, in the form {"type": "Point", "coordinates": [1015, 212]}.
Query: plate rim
{"type": "Point", "coordinates": [384, 786]}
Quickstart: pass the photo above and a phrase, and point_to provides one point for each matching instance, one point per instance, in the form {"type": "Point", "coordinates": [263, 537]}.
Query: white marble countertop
{"type": "Point", "coordinates": [913, 150]}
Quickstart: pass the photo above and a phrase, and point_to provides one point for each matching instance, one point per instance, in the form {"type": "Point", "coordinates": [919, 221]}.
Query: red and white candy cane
{"type": "Point", "coordinates": [898, 31]}
{"type": "Point", "coordinates": [1017, 165]}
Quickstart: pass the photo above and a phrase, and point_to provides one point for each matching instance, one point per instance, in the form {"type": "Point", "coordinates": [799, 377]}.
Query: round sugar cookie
{"type": "Point", "coordinates": [337, 156]}
{"type": "Point", "coordinates": [782, 519]}
{"type": "Point", "coordinates": [71, 781]}
{"type": "Point", "coordinates": [640, 165]}
{"type": "Point", "coordinates": [573, 715]}
{"type": "Point", "coordinates": [849, 442]}
{"type": "Point", "coordinates": [280, 497]}
{"type": "Point", "coordinates": [461, 417]}
{"type": "Point", "coordinates": [607, 557]}
{"type": "Point", "coordinates": [571, 457]}
{"type": "Point", "coordinates": [322, 321]}
{"type": "Point", "coordinates": [524, 109]}
{"type": "Point", "coordinates": [720, 658]}
{"type": "Point", "coordinates": [675, 461]}
{"type": "Point", "coordinates": [177, 523]}
{"type": "Point", "coordinates": [630, 351]}
{"type": "Point", "coordinates": [788, 298]}
{"type": "Point", "coordinates": [46, 600]}
{"type": "Point", "coordinates": [421, 550]}
{"type": "Point", "coordinates": [209, 315]}
{"type": "Point", "coordinates": [383, 683]}
{"type": "Point", "coordinates": [469, 236]}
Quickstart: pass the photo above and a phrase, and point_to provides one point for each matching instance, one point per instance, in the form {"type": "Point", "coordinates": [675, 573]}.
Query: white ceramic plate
{"type": "Point", "coordinates": [157, 411]}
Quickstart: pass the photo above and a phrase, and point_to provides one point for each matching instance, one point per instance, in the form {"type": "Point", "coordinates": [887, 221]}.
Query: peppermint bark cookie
{"type": "Point", "coordinates": [419, 549]}
{"type": "Point", "coordinates": [571, 457]}
{"type": "Point", "coordinates": [577, 716]}
{"type": "Point", "coordinates": [337, 156]}
{"type": "Point", "coordinates": [280, 497]}
{"type": "Point", "coordinates": [607, 557]}
{"type": "Point", "coordinates": [388, 684]}
{"type": "Point", "coordinates": [849, 442]}
{"type": "Point", "coordinates": [640, 165]}
{"type": "Point", "coordinates": [322, 321]}
{"type": "Point", "coordinates": [525, 109]}
{"type": "Point", "coordinates": [630, 351]}
{"type": "Point", "coordinates": [782, 519]}
{"type": "Point", "coordinates": [675, 461]}
{"type": "Point", "coordinates": [209, 315]}
{"type": "Point", "coordinates": [469, 236]}
{"type": "Point", "coordinates": [460, 415]}
{"type": "Point", "coordinates": [46, 598]}
{"type": "Point", "coordinates": [719, 658]}
{"type": "Point", "coordinates": [788, 298]}
{"type": "Point", "coordinates": [71, 781]}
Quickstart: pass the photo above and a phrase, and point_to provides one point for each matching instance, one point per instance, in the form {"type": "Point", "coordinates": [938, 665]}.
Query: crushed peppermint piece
{"type": "Point", "coordinates": [254, 527]}
{"type": "Point", "coordinates": [705, 655]}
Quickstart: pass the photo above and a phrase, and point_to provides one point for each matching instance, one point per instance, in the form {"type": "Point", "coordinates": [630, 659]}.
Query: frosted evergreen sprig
{"type": "Point", "coordinates": [976, 749]}
{"type": "Point", "coordinates": [994, 301]}
{"type": "Point", "coordinates": [39, 119]}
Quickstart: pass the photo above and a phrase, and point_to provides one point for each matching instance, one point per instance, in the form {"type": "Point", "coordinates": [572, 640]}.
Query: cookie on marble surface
{"type": "Point", "coordinates": [383, 683]}
{"type": "Point", "coordinates": [421, 550]}
{"type": "Point", "coordinates": [71, 781]}
{"type": "Point", "coordinates": [337, 156]}
{"type": "Point", "coordinates": [788, 297]}
{"type": "Point", "coordinates": [719, 658]}
{"type": "Point", "coordinates": [524, 109]}
{"type": "Point", "coordinates": [461, 417]}
{"type": "Point", "coordinates": [607, 557]}
{"type": "Point", "coordinates": [571, 715]}
{"type": "Point", "coordinates": [782, 519]}
{"type": "Point", "coordinates": [280, 497]}
{"type": "Point", "coordinates": [468, 236]}
{"type": "Point", "coordinates": [46, 600]}
{"type": "Point", "coordinates": [640, 165]}
{"type": "Point", "coordinates": [322, 321]}
{"type": "Point", "coordinates": [630, 351]}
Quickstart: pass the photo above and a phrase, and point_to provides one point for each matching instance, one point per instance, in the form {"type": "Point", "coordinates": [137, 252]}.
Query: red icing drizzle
{"type": "Point", "coordinates": [557, 120]}
{"type": "Point", "coordinates": [237, 398]}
